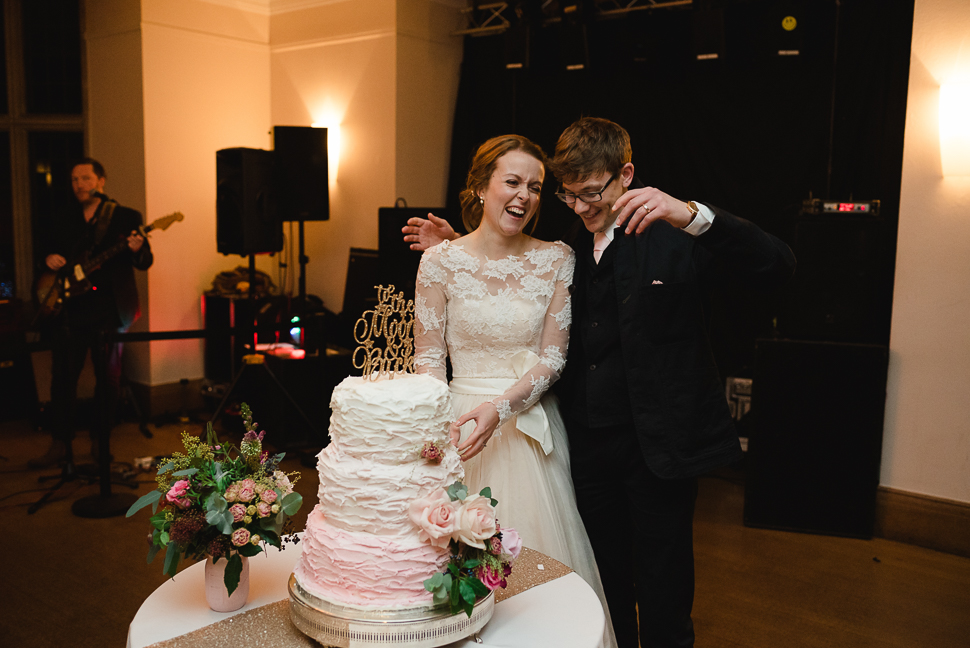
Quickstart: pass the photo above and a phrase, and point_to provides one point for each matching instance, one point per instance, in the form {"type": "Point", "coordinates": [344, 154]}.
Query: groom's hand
{"type": "Point", "coordinates": [486, 420]}
{"type": "Point", "coordinates": [637, 208]}
{"type": "Point", "coordinates": [425, 233]}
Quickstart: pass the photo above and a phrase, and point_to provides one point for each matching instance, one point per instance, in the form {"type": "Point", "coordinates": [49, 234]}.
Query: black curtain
{"type": "Point", "coordinates": [751, 131]}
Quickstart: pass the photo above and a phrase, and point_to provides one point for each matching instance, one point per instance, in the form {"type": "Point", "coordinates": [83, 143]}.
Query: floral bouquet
{"type": "Point", "coordinates": [481, 551]}
{"type": "Point", "coordinates": [219, 505]}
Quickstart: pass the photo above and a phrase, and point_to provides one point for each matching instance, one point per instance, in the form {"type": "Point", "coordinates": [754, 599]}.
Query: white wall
{"type": "Point", "coordinates": [386, 72]}
{"type": "Point", "coordinates": [206, 76]}
{"type": "Point", "coordinates": [926, 445]}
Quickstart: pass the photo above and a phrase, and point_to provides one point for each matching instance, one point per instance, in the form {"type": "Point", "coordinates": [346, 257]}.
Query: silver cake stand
{"type": "Point", "coordinates": [417, 627]}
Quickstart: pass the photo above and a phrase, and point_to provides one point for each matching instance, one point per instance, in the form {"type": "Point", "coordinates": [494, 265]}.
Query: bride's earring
{"type": "Point", "coordinates": [481, 199]}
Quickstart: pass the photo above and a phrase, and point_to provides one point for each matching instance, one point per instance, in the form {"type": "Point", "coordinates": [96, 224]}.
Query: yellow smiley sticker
{"type": "Point", "coordinates": [788, 23]}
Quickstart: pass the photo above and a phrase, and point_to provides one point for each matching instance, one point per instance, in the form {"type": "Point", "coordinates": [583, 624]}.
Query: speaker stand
{"type": "Point", "coordinates": [254, 362]}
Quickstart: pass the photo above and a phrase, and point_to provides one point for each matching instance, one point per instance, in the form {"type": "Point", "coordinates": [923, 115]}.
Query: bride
{"type": "Point", "coordinates": [496, 302]}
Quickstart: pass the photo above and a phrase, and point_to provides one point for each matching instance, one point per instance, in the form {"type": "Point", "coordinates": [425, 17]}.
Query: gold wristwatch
{"type": "Point", "coordinates": [692, 208]}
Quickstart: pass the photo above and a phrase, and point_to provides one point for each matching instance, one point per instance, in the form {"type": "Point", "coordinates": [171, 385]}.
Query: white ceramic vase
{"type": "Point", "coordinates": [215, 586]}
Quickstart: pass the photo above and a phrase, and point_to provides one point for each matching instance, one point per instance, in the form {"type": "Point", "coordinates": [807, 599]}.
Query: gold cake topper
{"type": "Point", "coordinates": [392, 319]}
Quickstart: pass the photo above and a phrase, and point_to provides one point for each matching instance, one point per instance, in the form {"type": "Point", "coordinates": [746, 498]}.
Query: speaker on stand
{"type": "Point", "coordinates": [248, 223]}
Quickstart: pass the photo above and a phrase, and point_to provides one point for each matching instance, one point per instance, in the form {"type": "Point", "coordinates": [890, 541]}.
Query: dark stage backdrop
{"type": "Point", "coordinates": [752, 132]}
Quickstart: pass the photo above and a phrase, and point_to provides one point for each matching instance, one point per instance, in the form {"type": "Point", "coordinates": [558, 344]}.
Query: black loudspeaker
{"type": "Point", "coordinates": [815, 444]}
{"type": "Point", "coordinates": [247, 221]}
{"type": "Point", "coordinates": [398, 263]}
{"type": "Point", "coordinates": [842, 290]}
{"type": "Point", "coordinates": [301, 175]}
{"type": "Point", "coordinates": [360, 292]}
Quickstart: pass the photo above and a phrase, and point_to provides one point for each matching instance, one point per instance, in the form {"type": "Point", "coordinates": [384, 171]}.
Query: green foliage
{"type": "Point", "coordinates": [203, 483]}
{"type": "Point", "coordinates": [232, 573]}
{"type": "Point", "coordinates": [457, 491]}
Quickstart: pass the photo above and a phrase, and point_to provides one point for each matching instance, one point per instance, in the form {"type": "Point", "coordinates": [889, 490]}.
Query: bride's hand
{"type": "Point", "coordinates": [486, 420]}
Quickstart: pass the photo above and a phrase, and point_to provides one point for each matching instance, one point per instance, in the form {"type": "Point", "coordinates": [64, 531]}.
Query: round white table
{"type": "Point", "coordinates": [564, 612]}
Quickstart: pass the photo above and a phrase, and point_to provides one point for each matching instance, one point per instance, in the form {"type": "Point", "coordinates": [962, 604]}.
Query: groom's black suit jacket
{"type": "Point", "coordinates": [662, 277]}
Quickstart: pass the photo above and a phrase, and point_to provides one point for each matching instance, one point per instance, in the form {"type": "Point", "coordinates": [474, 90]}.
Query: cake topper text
{"type": "Point", "coordinates": [392, 319]}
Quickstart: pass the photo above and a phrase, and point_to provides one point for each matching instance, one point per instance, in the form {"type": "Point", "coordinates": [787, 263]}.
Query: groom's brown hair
{"type": "Point", "coordinates": [588, 146]}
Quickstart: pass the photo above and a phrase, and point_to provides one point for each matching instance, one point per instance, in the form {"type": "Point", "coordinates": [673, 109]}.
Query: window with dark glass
{"type": "Point", "coordinates": [52, 61]}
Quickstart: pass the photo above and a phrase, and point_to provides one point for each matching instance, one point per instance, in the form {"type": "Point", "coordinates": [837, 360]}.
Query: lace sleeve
{"type": "Point", "coordinates": [552, 347]}
{"type": "Point", "coordinates": [430, 314]}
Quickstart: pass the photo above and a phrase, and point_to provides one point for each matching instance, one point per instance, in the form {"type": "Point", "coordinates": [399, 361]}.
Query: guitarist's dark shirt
{"type": "Point", "coordinates": [114, 301]}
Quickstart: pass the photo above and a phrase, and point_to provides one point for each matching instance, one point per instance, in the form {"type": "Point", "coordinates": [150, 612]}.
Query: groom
{"type": "Point", "coordinates": [643, 403]}
{"type": "Point", "coordinates": [641, 397]}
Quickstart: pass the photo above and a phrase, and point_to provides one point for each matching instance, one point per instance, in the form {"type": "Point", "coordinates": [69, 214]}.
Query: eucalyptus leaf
{"type": "Point", "coordinates": [152, 552]}
{"type": "Point", "coordinates": [457, 491]}
{"type": "Point", "coordinates": [232, 573]}
{"type": "Point", "coordinates": [163, 538]}
{"type": "Point", "coordinates": [185, 473]}
{"type": "Point", "coordinates": [292, 503]}
{"type": "Point", "coordinates": [164, 468]}
{"type": "Point", "coordinates": [143, 501]}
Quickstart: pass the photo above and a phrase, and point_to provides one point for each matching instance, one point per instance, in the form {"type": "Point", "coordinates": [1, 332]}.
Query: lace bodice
{"type": "Point", "coordinates": [487, 314]}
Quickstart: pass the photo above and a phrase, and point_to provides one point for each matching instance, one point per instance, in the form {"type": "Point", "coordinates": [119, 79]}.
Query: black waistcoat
{"type": "Point", "coordinates": [600, 396]}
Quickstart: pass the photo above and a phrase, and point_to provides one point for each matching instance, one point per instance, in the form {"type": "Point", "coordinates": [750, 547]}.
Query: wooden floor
{"type": "Point", "coordinates": [70, 581]}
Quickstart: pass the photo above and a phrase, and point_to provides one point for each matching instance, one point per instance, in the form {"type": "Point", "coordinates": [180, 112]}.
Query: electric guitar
{"type": "Point", "coordinates": [52, 289]}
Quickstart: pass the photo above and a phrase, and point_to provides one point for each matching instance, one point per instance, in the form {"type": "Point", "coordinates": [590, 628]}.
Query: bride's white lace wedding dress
{"type": "Point", "coordinates": [504, 323]}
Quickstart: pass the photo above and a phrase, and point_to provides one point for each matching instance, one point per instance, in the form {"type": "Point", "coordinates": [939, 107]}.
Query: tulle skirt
{"type": "Point", "coordinates": [534, 491]}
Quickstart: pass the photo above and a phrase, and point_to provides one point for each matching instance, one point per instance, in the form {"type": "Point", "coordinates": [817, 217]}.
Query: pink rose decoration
{"type": "Point", "coordinates": [436, 516]}
{"type": "Point", "coordinates": [511, 542]}
{"type": "Point", "coordinates": [476, 521]}
{"type": "Point", "coordinates": [268, 496]}
{"type": "Point", "coordinates": [495, 545]}
{"type": "Point", "coordinates": [263, 509]}
{"type": "Point", "coordinates": [490, 578]}
{"type": "Point", "coordinates": [238, 512]}
{"type": "Point", "coordinates": [247, 490]}
{"type": "Point", "coordinates": [240, 537]}
{"type": "Point", "coordinates": [177, 491]}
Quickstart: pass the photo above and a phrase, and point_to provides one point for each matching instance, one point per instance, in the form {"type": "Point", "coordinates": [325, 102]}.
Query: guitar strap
{"type": "Point", "coordinates": [104, 220]}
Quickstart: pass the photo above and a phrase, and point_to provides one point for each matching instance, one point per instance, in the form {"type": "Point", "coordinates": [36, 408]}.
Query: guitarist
{"type": "Point", "coordinates": [111, 303]}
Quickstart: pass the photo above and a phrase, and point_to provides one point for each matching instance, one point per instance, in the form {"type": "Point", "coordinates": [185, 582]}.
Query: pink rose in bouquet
{"type": "Point", "coordinates": [238, 512]}
{"type": "Point", "coordinates": [176, 494]}
{"type": "Point", "coordinates": [268, 496]}
{"type": "Point", "coordinates": [436, 516]}
{"type": "Point", "coordinates": [247, 490]}
{"type": "Point", "coordinates": [240, 537]}
{"type": "Point", "coordinates": [490, 578]}
{"type": "Point", "coordinates": [263, 509]}
{"type": "Point", "coordinates": [511, 542]}
{"type": "Point", "coordinates": [476, 521]}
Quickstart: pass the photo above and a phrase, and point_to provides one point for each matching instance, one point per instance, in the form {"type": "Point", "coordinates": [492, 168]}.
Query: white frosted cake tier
{"type": "Point", "coordinates": [388, 420]}
{"type": "Point", "coordinates": [360, 495]}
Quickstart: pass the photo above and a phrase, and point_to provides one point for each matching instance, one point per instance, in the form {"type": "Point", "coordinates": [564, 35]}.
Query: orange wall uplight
{"type": "Point", "coordinates": [955, 128]}
{"type": "Point", "coordinates": [333, 147]}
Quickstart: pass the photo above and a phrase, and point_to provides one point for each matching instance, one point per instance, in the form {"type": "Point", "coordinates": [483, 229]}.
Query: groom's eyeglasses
{"type": "Point", "coordinates": [588, 197]}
